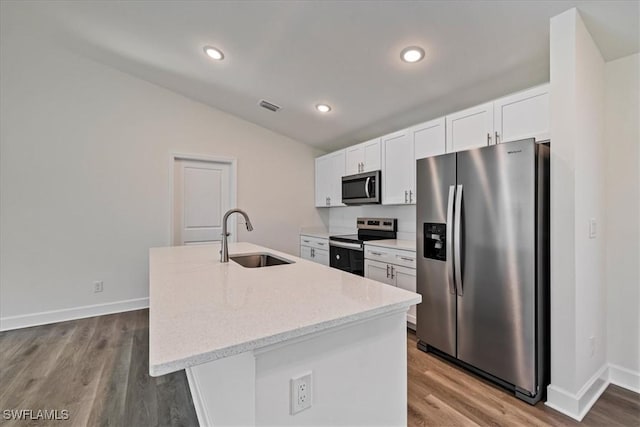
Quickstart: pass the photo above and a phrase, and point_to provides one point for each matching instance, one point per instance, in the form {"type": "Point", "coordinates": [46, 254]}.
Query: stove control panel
{"type": "Point", "coordinates": [382, 224]}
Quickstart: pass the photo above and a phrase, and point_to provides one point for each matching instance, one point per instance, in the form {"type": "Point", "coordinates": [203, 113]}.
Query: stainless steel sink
{"type": "Point", "coordinates": [259, 260]}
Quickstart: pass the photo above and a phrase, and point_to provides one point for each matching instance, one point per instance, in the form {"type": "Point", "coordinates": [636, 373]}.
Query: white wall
{"type": "Point", "coordinates": [622, 125]}
{"type": "Point", "coordinates": [85, 174]}
{"type": "Point", "coordinates": [578, 309]}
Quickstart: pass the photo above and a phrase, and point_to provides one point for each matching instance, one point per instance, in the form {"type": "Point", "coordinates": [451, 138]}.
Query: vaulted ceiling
{"type": "Point", "coordinates": [345, 53]}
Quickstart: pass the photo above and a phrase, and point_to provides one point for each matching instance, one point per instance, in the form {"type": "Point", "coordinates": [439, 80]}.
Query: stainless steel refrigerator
{"type": "Point", "coordinates": [483, 262]}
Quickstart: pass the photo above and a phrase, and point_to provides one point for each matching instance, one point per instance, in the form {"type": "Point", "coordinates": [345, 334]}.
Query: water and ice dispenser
{"type": "Point", "coordinates": [435, 241]}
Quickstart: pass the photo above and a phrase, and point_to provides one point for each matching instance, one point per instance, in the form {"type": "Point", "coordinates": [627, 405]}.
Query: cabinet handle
{"type": "Point", "coordinates": [387, 271]}
{"type": "Point", "coordinates": [497, 136]}
{"type": "Point", "coordinates": [410, 196]}
{"type": "Point", "coordinates": [375, 253]}
{"type": "Point", "coordinates": [313, 253]}
{"type": "Point", "coordinates": [321, 243]}
{"type": "Point", "coordinates": [329, 203]}
{"type": "Point", "coordinates": [488, 138]}
{"type": "Point", "coordinates": [392, 275]}
{"type": "Point", "coordinates": [306, 241]}
{"type": "Point", "coordinates": [407, 259]}
{"type": "Point", "coordinates": [406, 193]}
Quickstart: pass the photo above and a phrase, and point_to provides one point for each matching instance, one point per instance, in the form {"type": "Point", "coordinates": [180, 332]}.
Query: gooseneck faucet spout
{"type": "Point", "coordinates": [224, 253]}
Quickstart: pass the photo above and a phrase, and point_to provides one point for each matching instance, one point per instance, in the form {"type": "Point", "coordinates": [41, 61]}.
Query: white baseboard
{"type": "Point", "coordinates": [55, 316]}
{"type": "Point", "coordinates": [625, 378]}
{"type": "Point", "coordinates": [577, 405]}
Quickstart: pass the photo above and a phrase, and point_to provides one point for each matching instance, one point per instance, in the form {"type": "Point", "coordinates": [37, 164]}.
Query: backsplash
{"type": "Point", "coordinates": [344, 218]}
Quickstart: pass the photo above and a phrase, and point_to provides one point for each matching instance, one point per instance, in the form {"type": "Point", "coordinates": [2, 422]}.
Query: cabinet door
{"type": "Point", "coordinates": [470, 128]}
{"type": "Point", "coordinates": [323, 180]}
{"type": "Point", "coordinates": [371, 155]}
{"type": "Point", "coordinates": [378, 271]}
{"type": "Point", "coordinates": [354, 158]}
{"type": "Point", "coordinates": [397, 168]}
{"type": "Point", "coordinates": [305, 253]}
{"type": "Point", "coordinates": [523, 115]}
{"type": "Point", "coordinates": [405, 278]}
{"type": "Point", "coordinates": [321, 256]}
{"type": "Point", "coordinates": [429, 139]}
{"type": "Point", "coordinates": [335, 183]}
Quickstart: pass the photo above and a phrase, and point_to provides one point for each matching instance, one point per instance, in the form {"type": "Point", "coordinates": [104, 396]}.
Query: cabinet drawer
{"type": "Point", "coordinates": [314, 242]}
{"type": "Point", "coordinates": [392, 256]}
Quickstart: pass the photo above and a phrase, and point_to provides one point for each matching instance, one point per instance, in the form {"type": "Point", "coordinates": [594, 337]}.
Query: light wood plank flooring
{"type": "Point", "coordinates": [441, 394]}
{"type": "Point", "coordinates": [97, 369]}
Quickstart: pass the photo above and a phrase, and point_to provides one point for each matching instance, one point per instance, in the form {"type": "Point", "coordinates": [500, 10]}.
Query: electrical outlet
{"type": "Point", "coordinates": [300, 393]}
{"type": "Point", "coordinates": [98, 286]}
{"type": "Point", "coordinates": [593, 228]}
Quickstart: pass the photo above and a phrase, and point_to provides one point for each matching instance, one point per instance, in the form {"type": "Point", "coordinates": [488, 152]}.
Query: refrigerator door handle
{"type": "Point", "coordinates": [449, 243]}
{"type": "Point", "coordinates": [457, 237]}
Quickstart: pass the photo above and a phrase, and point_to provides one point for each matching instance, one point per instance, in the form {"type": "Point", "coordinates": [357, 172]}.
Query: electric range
{"type": "Point", "coordinates": [347, 252]}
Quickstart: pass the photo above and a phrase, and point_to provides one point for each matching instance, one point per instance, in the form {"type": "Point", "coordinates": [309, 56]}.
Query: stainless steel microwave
{"type": "Point", "coordinates": [361, 189]}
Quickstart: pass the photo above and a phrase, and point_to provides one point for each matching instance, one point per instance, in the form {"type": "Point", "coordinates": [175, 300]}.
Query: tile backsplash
{"type": "Point", "coordinates": [341, 219]}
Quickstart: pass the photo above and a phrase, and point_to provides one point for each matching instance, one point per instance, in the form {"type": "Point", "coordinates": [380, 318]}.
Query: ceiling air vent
{"type": "Point", "coordinates": [269, 106]}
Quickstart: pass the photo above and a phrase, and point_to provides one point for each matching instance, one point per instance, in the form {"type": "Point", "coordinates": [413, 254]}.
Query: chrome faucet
{"type": "Point", "coordinates": [224, 252]}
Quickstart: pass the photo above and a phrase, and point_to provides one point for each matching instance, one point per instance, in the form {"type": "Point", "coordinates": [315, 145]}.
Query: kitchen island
{"type": "Point", "coordinates": [242, 334]}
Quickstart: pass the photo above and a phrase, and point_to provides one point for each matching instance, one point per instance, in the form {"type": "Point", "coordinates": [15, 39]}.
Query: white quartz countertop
{"type": "Point", "coordinates": [406, 245]}
{"type": "Point", "coordinates": [202, 310]}
{"type": "Point", "coordinates": [322, 233]}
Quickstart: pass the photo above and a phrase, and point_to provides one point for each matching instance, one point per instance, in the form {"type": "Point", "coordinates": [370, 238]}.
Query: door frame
{"type": "Point", "coordinates": [233, 187]}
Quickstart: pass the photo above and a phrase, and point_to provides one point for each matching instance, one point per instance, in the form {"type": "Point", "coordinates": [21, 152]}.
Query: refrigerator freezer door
{"type": "Point", "coordinates": [437, 312]}
{"type": "Point", "coordinates": [496, 314]}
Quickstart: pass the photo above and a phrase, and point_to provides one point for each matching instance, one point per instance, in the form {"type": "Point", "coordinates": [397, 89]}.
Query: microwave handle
{"type": "Point", "coordinates": [366, 187]}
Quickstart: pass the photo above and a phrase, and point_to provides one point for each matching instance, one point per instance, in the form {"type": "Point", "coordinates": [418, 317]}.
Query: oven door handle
{"type": "Point", "coordinates": [356, 246]}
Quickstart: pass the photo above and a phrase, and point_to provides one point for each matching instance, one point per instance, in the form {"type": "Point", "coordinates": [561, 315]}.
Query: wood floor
{"type": "Point", "coordinates": [97, 369]}
{"type": "Point", "coordinates": [441, 394]}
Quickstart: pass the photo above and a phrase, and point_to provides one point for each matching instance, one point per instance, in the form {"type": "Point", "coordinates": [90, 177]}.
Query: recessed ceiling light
{"type": "Point", "coordinates": [213, 52]}
{"type": "Point", "coordinates": [323, 108]}
{"type": "Point", "coordinates": [412, 54]}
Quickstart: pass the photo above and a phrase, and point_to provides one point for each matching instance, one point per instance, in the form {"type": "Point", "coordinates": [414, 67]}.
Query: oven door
{"type": "Point", "coordinates": [361, 189]}
{"type": "Point", "coordinates": [347, 257]}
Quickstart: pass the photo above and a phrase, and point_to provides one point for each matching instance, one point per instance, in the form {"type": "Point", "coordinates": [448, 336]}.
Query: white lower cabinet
{"type": "Point", "coordinates": [393, 267]}
{"type": "Point", "coordinates": [314, 249]}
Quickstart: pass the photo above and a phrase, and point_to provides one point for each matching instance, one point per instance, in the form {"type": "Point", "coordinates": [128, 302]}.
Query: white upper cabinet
{"type": "Point", "coordinates": [470, 128]}
{"type": "Point", "coordinates": [398, 164]}
{"type": "Point", "coordinates": [330, 169]}
{"type": "Point", "coordinates": [514, 117]}
{"type": "Point", "coordinates": [364, 157]}
{"type": "Point", "coordinates": [523, 115]}
{"type": "Point", "coordinates": [429, 138]}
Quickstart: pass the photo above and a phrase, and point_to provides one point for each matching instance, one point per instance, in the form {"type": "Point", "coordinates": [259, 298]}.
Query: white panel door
{"type": "Point", "coordinates": [202, 194]}
{"type": "Point", "coordinates": [354, 159]}
{"type": "Point", "coordinates": [523, 115]}
{"type": "Point", "coordinates": [371, 155]}
{"type": "Point", "coordinates": [470, 128]}
{"type": "Point", "coordinates": [406, 279]}
{"type": "Point", "coordinates": [429, 138]}
{"type": "Point", "coordinates": [397, 168]}
{"type": "Point", "coordinates": [378, 271]}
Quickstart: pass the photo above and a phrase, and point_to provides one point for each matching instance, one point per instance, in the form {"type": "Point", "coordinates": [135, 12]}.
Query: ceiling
{"type": "Point", "coordinates": [297, 54]}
